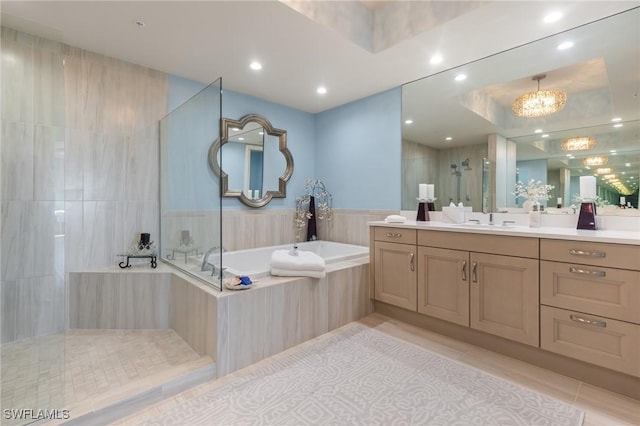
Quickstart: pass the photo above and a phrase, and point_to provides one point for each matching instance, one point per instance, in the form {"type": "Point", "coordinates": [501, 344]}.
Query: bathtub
{"type": "Point", "coordinates": [256, 262]}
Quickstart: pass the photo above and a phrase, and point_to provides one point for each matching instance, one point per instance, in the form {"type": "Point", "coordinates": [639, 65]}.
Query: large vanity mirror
{"type": "Point", "coordinates": [252, 160]}
{"type": "Point", "coordinates": [457, 122]}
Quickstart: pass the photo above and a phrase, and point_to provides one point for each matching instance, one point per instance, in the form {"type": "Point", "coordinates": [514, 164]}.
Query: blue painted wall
{"type": "Point", "coordinates": [355, 149]}
{"type": "Point", "coordinates": [532, 169]}
{"type": "Point", "coordinates": [358, 152]}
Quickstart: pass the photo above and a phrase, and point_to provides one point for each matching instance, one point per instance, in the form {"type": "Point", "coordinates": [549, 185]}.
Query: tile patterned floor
{"type": "Point", "coordinates": [57, 371]}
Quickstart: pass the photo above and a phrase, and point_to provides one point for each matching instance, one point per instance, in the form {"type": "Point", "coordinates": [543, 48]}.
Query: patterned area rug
{"type": "Point", "coordinates": [359, 376]}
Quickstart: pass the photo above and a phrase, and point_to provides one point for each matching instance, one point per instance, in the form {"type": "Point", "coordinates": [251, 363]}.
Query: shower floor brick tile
{"type": "Point", "coordinates": [59, 370]}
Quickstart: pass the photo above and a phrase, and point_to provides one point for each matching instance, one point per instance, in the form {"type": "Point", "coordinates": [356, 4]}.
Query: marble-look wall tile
{"type": "Point", "coordinates": [17, 154]}
{"type": "Point", "coordinates": [193, 315]}
{"type": "Point", "coordinates": [103, 166]}
{"type": "Point", "coordinates": [74, 254]}
{"type": "Point", "coordinates": [141, 167]}
{"type": "Point", "coordinates": [98, 233]}
{"type": "Point", "coordinates": [9, 306]}
{"type": "Point", "coordinates": [49, 149]}
{"type": "Point", "coordinates": [49, 89]}
{"type": "Point", "coordinates": [73, 165]}
{"type": "Point", "coordinates": [119, 300]}
{"type": "Point", "coordinates": [44, 230]}
{"type": "Point", "coordinates": [17, 77]}
{"type": "Point", "coordinates": [17, 239]}
{"type": "Point", "coordinates": [351, 226]}
{"type": "Point", "coordinates": [348, 298]}
{"type": "Point", "coordinates": [48, 304]}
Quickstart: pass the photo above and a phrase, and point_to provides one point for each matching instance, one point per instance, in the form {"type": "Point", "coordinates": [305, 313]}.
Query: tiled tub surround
{"type": "Point", "coordinates": [234, 328]}
{"type": "Point", "coordinates": [251, 228]}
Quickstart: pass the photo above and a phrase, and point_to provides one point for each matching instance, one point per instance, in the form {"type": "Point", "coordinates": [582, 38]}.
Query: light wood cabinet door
{"type": "Point", "coordinates": [395, 274]}
{"type": "Point", "coordinates": [443, 284]}
{"type": "Point", "coordinates": [504, 297]}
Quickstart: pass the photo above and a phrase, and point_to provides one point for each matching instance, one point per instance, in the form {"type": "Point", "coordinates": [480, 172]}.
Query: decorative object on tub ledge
{"type": "Point", "coordinates": [315, 203]}
{"type": "Point", "coordinates": [533, 192]}
{"type": "Point", "coordinates": [185, 246]}
{"type": "Point", "coordinates": [141, 249]}
{"type": "Point", "coordinates": [236, 282]}
{"type": "Point", "coordinates": [301, 264]}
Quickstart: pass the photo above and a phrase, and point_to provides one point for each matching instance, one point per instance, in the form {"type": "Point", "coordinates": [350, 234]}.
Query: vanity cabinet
{"type": "Point", "coordinates": [590, 296]}
{"type": "Point", "coordinates": [395, 275]}
{"type": "Point", "coordinates": [486, 282]}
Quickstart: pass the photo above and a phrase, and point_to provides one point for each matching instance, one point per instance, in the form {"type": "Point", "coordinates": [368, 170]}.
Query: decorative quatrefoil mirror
{"type": "Point", "coordinates": [252, 160]}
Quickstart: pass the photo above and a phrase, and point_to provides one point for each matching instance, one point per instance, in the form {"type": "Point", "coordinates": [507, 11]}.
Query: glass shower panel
{"type": "Point", "coordinates": [190, 202]}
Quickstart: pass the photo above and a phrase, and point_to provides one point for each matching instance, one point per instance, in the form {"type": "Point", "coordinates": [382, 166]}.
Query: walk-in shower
{"type": "Point", "coordinates": [457, 172]}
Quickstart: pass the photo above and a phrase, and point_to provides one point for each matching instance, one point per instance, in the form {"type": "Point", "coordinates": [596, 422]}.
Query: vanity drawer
{"type": "Point", "coordinates": [601, 341]}
{"type": "Point", "coordinates": [491, 243]}
{"type": "Point", "coordinates": [395, 235]}
{"type": "Point", "coordinates": [612, 293]}
{"type": "Point", "coordinates": [589, 253]}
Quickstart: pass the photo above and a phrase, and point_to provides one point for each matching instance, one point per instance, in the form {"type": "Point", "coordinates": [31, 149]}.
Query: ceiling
{"type": "Point", "coordinates": [301, 45]}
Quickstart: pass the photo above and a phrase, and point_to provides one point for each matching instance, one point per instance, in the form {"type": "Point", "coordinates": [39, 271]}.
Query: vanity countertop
{"type": "Point", "coordinates": [558, 233]}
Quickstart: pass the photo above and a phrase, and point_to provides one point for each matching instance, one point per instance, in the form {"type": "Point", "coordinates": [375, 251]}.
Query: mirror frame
{"type": "Point", "coordinates": [228, 123]}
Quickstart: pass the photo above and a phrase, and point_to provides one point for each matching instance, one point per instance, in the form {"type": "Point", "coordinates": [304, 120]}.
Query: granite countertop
{"type": "Point", "coordinates": [558, 233]}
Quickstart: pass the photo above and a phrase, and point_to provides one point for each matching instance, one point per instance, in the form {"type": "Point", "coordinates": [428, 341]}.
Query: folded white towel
{"type": "Point", "coordinates": [304, 261]}
{"type": "Point", "coordinates": [297, 273]}
{"type": "Point", "coordinates": [395, 218]}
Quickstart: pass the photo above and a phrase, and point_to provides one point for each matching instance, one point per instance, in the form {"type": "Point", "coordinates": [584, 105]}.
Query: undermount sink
{"type": "Point", "coordinates": [471, 225]}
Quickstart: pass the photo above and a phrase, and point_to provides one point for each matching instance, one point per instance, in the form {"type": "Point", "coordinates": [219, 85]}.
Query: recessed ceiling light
{"type": "Point", "coordinates": [546, 135]}
{"type": "Point", "coordinates": [587, 167]}
{"type": "Point", "coordinates": [409, 121]}
{"type": "Point", "coordinates": [616, 119]}
{"type": "Point", "coordinates": [240, 139]}
{"type": "Point", "coordinates": [627, 164]}
{"type": "Point", "coordinates": [613, 151]}
{"type": "Point", "coordinates": [568, 155]}
{"type": "Point", "coordinates": [537, 131]}
{"type": "Point", "coordinates": [448, 138]}
{"type": "Point", "coordinates": [255, 65]}
{"type": "Point", "coordinates": [261, 133]}
{"type": "Point", "coordinates": [571, 157]}
{"type": "Point", "coordinates": [618, 125]}
{"type": "Point", "coordinates": [552, 17]}
{"type": "Point", "coordinates": [235, 129]}
{"type": "Point", "coordinates": [461, 77]}
{"type": "Point", "coordinates": [321, 90]}
{"type": "Point", "coordinates": [435, 59]}
{"type": "Point", "coordinates": [565, 45]}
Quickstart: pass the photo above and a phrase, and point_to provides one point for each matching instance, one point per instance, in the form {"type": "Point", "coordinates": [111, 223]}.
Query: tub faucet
{"type": "Point", "coordinates": [490, 218]}
{"type": "Point", "coordinates": [294, 250]}
{"type": "Point", "coordinates": [206, 264]}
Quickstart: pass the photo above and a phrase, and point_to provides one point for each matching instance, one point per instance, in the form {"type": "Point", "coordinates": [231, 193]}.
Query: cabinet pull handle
{"type": "Point", "coordinates": [586, 321]}
{"type": "Point", "coordinates": [394, 235]}
{"type": "Point", "coordinates": [576, 252]}
{"type": "Point", "coordinates": [464, 270]}
{"type": "Point", "coordinates": [412, 264]}
{"type": "Point", "coordinates": [474, 275]}
{"type": "Point", "coordinates": [575, 270]}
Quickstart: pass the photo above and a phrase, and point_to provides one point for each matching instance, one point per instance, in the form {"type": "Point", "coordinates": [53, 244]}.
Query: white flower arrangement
{"type": "Point", "coordinates": [577, 200]}
{"type": "Point", "coordinates": [533, 191]}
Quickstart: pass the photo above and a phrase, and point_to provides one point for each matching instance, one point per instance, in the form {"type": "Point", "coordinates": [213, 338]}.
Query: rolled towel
{"type": "Point", "coordinates": [297, 273]}
{"type": "Point", "coordinates": [304, 261]}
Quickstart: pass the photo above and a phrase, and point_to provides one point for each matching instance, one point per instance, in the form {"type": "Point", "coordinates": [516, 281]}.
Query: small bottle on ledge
{"type": "Point", "coordinates": [559, 204]}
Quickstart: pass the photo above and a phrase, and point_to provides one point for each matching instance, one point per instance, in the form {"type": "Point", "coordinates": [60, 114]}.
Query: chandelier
{"type": "Point", "coordinates": [540, 102]}
{"type": "Point", "coordinates": [581, 143]}
{"type": "Point", "coordinates": [603, 171]}
{"type": "Point", "coordinates": [595, 161]}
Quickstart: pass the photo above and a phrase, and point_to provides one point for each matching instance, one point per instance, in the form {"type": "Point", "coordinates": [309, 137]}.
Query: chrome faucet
{"type": "Point", "coordinates": [206, 264]}
{"type": "Point", "coordinates": [491, 219]}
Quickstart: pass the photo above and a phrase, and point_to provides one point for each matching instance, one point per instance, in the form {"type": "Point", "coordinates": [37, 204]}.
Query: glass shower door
{"type": "Point", "coordinates": [190, 202]}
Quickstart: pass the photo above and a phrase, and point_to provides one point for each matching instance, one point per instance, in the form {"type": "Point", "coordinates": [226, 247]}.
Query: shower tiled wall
{"type": "Point", "coordinates": [79, 171]}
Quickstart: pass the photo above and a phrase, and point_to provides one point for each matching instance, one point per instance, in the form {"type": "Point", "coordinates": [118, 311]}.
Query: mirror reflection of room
{"type": "Point", "coordinates": [550, 111]}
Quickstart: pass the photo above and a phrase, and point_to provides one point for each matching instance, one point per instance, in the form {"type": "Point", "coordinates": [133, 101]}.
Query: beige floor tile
{"type": "Point", "coordinates": [603, 406]}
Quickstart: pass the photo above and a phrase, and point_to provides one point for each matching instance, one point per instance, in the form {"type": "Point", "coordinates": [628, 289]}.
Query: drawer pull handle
{"type": "Point", "coordinates": [412, 263]}
{"type": "Point", "coordinates": [394, 235]}
{"type": "Point", "coordinates": [575, 270]}
{"type": "Point", "coordinates": [586, 321]}
{"type": "Point", "coordinates": [474, 272]}
{"type": "Point", "coordinates": [464, 270]}
{"type": "Point", "coordinates": [587, 253]}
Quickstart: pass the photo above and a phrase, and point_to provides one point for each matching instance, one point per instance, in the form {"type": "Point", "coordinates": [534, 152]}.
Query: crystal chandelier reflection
{"type": "Point", "coordinates": [595, 161]}
{"type": "Point", "coordinates": [581, 143]}
{"type": "Point", "coordinates": [540, 102]}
